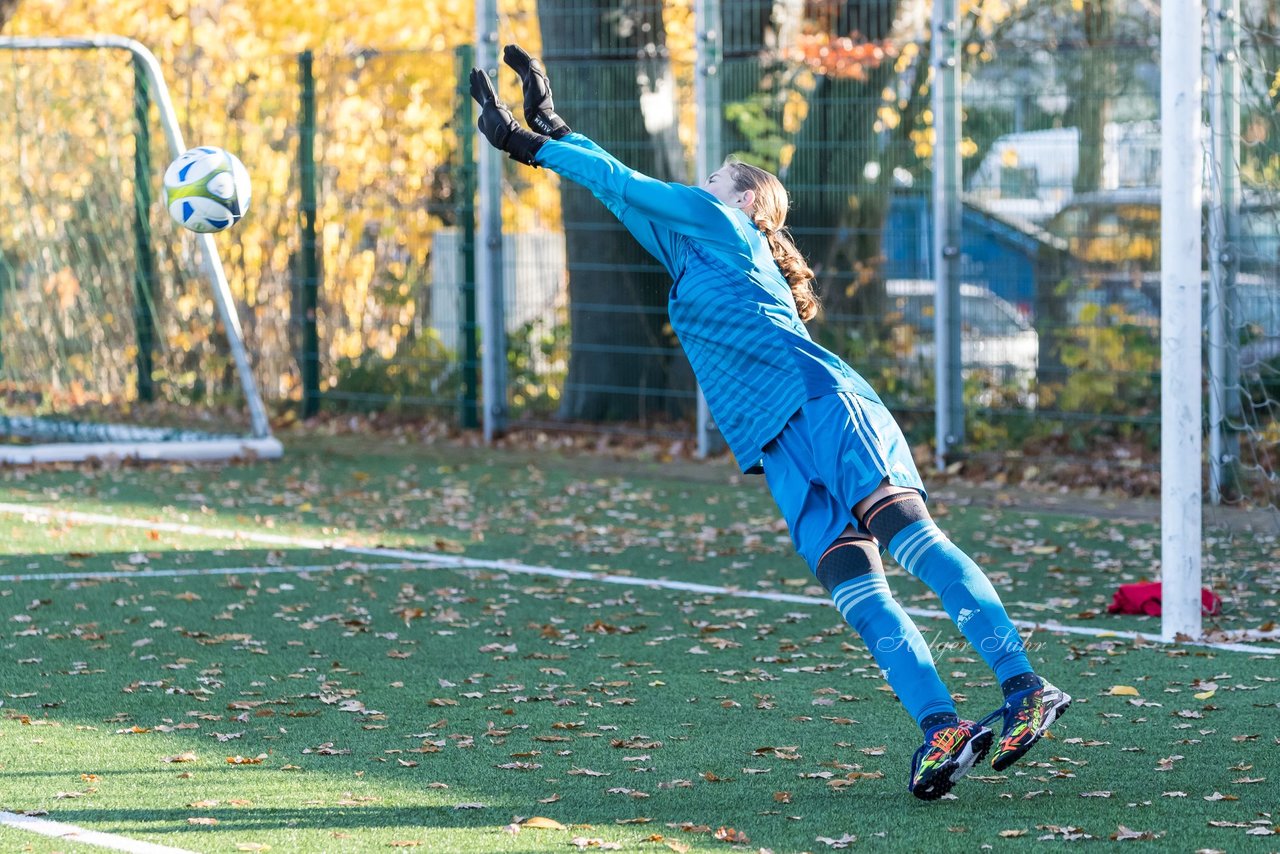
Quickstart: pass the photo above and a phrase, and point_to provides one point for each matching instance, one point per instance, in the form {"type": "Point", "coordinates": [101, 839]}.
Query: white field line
{"type": "Point", "coordinates": [72, 833]}
{"type": "Point", "coordinates": [35, 513]}
{"type": "Point", "coordinates": [115, 574]}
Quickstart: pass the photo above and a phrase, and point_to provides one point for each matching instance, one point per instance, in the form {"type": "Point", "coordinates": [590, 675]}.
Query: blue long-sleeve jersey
{"type": "Point", "coordinates": [730, 305]}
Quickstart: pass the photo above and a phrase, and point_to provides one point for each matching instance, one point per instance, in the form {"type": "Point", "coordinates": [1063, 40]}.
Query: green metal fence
{"type": "Point", "coordinates": [355, 272]}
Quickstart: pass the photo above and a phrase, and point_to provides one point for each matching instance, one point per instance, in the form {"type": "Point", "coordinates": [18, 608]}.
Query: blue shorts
{"type": "Point", "coordinates": [835, 451]}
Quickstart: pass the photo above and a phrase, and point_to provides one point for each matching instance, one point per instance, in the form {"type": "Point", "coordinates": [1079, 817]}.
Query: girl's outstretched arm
{"type": "Point", "coordinates": [684, 210]}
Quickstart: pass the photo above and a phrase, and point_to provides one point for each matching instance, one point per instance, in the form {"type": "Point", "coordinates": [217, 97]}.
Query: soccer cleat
{"type": "Point", "coordinates": [949, 752]}
{"type": "Point", "coordinates": [1027, 717]}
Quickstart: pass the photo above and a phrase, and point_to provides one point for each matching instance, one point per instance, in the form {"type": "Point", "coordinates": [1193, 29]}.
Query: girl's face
{"type": "Point", "coordinates": [720, 184]}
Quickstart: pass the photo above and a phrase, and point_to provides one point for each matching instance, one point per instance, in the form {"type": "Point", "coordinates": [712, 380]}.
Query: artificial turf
{"type": "Point", "coordinates": [383, 704]}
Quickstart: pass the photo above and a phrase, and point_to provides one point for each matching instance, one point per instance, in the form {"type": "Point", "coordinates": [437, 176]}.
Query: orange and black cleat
{"type": "Point", "coordinates": [1027, 717]}
{"type": "Point", "coordinates": [949, 752]}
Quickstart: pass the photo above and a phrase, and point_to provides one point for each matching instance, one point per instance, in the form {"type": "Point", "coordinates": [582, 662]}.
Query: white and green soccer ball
{"type": "Point", "coordinates": [207, 189]}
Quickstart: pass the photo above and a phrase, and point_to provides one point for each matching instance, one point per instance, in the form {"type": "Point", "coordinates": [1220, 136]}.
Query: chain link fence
{"type": "Point", "coordinates": [355, 273]}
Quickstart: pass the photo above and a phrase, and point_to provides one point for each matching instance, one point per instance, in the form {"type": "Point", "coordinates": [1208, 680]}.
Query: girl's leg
{"type": "Point", "coordinates": [899, 520]}
{"type": "Point", "coordinates": [852, 573]}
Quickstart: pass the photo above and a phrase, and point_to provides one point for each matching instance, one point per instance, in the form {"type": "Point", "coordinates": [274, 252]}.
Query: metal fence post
{"type": "Point", "coordinates": [145, 269]}
{"type": "Point", "coordinates": [467, 333]}
{"type": "Point", "coordinates": [1224, 236]}
{"type": "Point", "coordinates": [489, 278]}
{"type": "Point", "coordinates": [708, 98]}
{"type": "Point", "coordinates": [949, 386]}
{"type": "Point", "coordinates": [307, 270]}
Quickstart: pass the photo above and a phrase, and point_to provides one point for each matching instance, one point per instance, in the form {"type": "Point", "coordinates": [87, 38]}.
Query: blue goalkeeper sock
{"type": "Point", "coordinates": [851, 570]}
{"type": "Point", "coordinates": [966, 594]}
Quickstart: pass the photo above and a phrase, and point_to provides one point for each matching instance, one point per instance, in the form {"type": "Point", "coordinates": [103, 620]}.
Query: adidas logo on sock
{"type": "Point", "coordinates": [964, 616]}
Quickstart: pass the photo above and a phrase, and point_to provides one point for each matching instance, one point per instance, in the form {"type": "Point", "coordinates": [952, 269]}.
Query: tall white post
{"type": "Point", "coordinates": [708, 105]}
{"type": "Point", "coordinates": [490, 292]}
{"type": "Point", "coordinates": [1181, 23]}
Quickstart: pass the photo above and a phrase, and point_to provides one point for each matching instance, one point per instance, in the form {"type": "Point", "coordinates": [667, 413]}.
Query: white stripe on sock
{"type": "Point", "coordinates": [916, 544]}
{"type": "Point", "coordinates": [847, 600]}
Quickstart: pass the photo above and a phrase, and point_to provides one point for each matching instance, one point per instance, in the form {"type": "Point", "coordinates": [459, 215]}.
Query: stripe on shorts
{"type": "Point", "coordinates": [863, 430]}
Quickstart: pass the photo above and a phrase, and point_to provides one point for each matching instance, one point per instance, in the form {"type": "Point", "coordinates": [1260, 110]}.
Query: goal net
{"type": "Point", "coordinates": [119, 337]}
{"type": "Point", "coordinates": [1242, 311]}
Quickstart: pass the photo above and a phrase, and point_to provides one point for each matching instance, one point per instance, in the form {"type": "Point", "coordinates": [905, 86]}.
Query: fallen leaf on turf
{"type": "Point", "coordinates": [582, 842]}
{"type": "Point", "coordinates": [1123, 833]}
{"type": "Point", "coordinates": [1218, 796]}
{"type": "Point", "coordinates": [728, 834]}
{"type": "Point", "coordinates": [405, 843]}
{"type": "Point", "coordinates": [1123, 691]}
{"type": "Point", "coordinates": [1010, 834]}
{"type": "Point", "coordinates": [181, 757]}
{"type": "Point", "coordinates": [202, 820]}
{"type": "Point", "coordinates": [252, 846]}
{"type": "Point", "coordinates": [1095, 794]}
{"type": "Point", "coordinates": [246, 760]}
{"type": "Point", "coordinates": [469, 806]}
{"type": "Point", "coordinates": [843, 842]}
{"type": "Point", "coordinates": [545, 823]}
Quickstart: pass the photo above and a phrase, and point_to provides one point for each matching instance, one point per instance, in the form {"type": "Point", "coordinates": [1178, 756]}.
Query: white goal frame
{"type": "Point", "coordinates": [146, 445]}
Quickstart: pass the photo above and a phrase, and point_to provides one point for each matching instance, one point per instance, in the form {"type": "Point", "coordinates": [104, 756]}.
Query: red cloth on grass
{"type": "Point", "coordinates": [1144, 598]}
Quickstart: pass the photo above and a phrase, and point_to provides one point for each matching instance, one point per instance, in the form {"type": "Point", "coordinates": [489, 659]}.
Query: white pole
{"type": "Point", "coordinates": [1180, 316]}
{"type": "Point", "coordinates": [707, 103]}
{"type": "Point", "coordinates": [490, 289]}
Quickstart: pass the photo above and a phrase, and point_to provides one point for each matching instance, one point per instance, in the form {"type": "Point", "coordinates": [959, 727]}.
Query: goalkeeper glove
{"type": "Point", "coordinates": [539, 110]}
{"type": "Point", "coordinates": [499, 126]}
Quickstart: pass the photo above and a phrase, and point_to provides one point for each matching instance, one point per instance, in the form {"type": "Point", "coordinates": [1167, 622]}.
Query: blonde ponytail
{"type": "Point", "coordinates": [769, 212]}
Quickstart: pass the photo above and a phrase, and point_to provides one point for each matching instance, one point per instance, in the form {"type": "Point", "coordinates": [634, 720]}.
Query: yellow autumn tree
{"type": "Point", "coordinates": [385, 78]}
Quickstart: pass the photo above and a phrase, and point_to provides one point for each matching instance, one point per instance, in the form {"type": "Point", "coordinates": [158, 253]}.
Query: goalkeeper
{"type": "Point", "coordinates": [834, 459]}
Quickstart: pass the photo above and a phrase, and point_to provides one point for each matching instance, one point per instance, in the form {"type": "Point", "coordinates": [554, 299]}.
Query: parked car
{"type": "Point", "coordinates": [994, 337]}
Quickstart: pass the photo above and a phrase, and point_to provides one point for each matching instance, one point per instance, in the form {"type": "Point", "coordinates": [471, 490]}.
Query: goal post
{"type": "Point", "coordinates": [1180, 319]}
{"type": "Point", "coordinates": [47, 415]}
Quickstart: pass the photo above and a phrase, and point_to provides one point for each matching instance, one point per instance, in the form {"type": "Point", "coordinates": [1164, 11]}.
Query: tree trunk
{"type": "Point", "coordinates": [1092, 106]}
{"type": "Point", "coordinates": [603, 56]}
{"type": "Point", "coordinates": [838, 203]}
{"type": "Point", "coordinates": [7, 8]}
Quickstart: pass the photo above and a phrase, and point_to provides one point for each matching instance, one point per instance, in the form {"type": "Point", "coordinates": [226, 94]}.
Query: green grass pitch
{"type": "Point", "coordinates": [216, 692]}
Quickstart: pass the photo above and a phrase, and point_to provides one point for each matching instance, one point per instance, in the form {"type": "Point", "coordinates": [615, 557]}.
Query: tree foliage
{"type": "Point", "coordinates": [385, 144]}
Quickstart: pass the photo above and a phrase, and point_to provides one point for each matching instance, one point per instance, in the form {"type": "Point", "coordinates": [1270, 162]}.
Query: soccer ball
{"type": "Point", "coordinates": [206, 189]}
